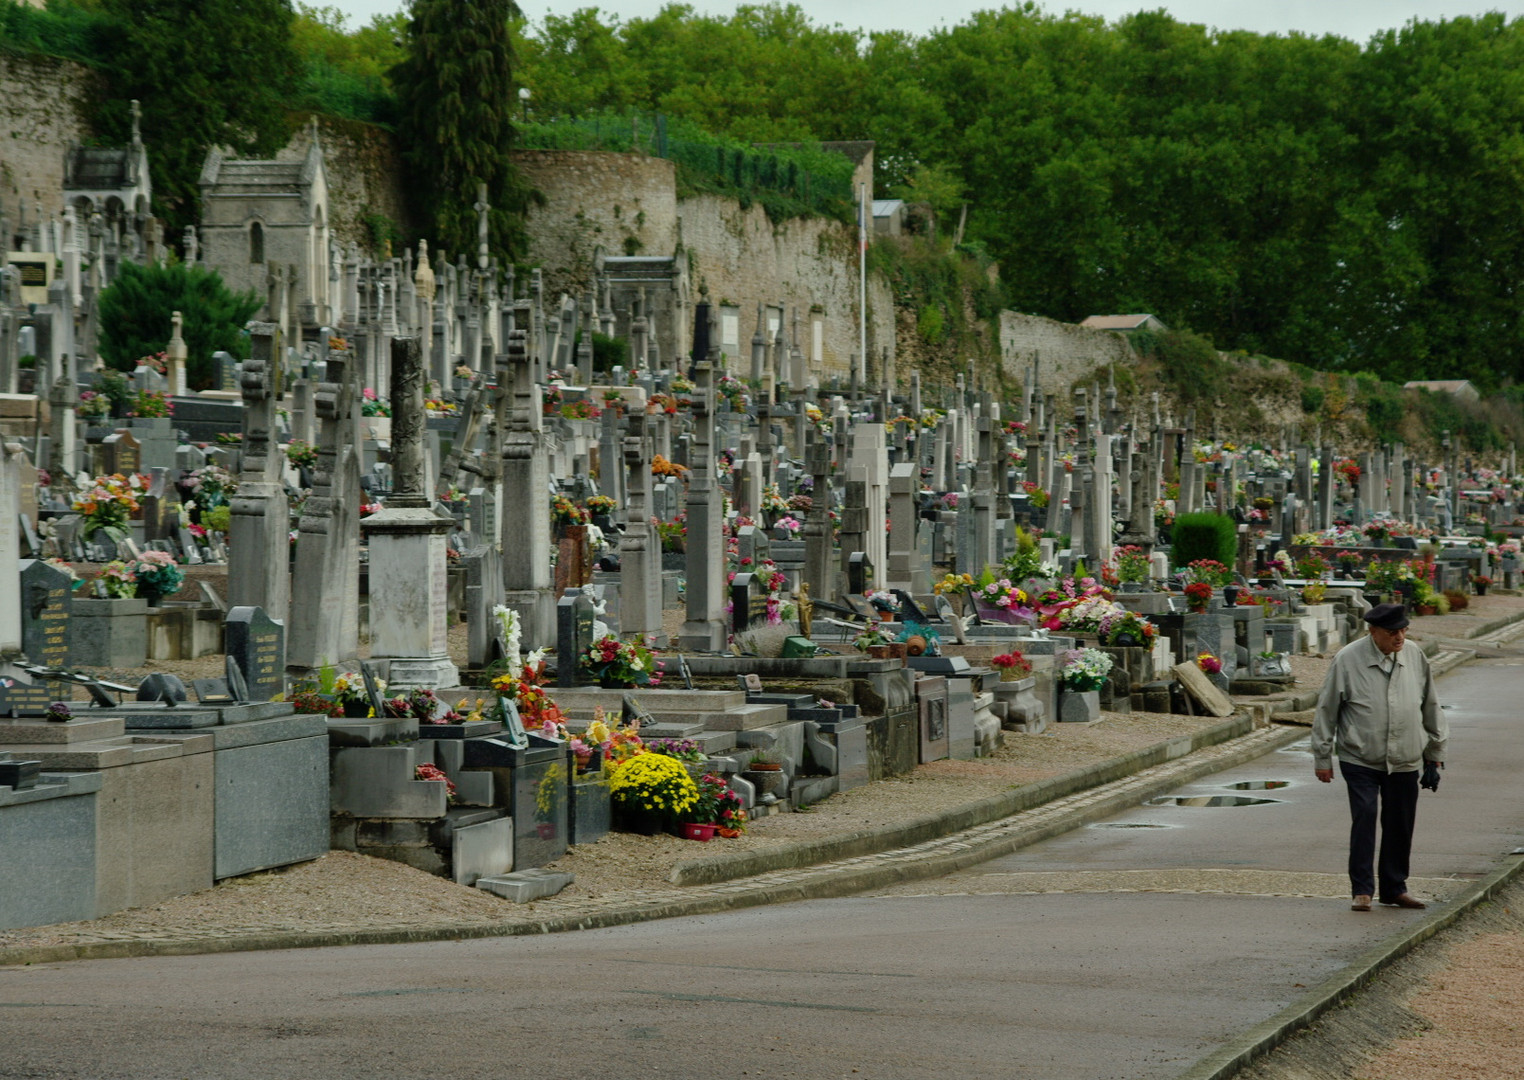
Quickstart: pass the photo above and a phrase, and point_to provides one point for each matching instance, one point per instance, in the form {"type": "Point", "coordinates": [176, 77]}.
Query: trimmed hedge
{"type": "Point", "coordinates": [1204, 536]}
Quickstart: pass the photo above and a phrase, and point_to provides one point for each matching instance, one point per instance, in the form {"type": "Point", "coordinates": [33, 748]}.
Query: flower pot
{"type": "Point", "coordinates": [609, 682]}
{"type": "Point", "coordinates": [1079, 706]}
{"type": "Point", "coordinates": [1010, 674]}
{"type": "Point", "coordinates": [641, 822]}
{"type": "Point", "coordinates": [694, 830]}
{"type": "Point", "coordinates": [357, 710]}
{"type": "Point", "coordinates": [766, 781]}
{"type": "Point", "coordinates": [886, 616]}
{"type": "Point", "coordinates": [1481, 590]}
{"type": "Point", "coordinates": [915, 645]}
{"type": "Point", "coordinates": [727, 832]}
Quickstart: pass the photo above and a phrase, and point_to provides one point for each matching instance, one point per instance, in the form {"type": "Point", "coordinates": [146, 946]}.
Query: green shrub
{"type": "Point", "coordinates": [135, 315]}
{"type": "Point", "coordinates": [931, 326]}
{"type": "Point", "coordinates": [1204, 536]}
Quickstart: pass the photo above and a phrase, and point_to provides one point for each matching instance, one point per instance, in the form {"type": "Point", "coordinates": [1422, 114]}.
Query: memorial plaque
{"type": "Point", "coordinates": [124, 454]}
{"type": "Point", "coordinates": [257, 643]}
{"type": "Point", "coordinates": [46, 603]}
{"type": "Point", "coordinates": [22, 699]}
{"type": "Point", "coordinates": [574, 636]}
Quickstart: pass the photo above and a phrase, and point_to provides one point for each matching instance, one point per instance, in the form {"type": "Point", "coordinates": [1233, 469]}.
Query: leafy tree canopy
{"type": "Point", "coordinates": [208, 73]}
{"type": "Point", "coordinates": [135, 314]}
{"type": "Point", "coordinates": [455, 92]}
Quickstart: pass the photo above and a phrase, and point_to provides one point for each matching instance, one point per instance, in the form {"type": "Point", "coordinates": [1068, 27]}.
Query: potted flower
{"type": "Point", "coordinates": [601, 508]}
{"type": "Point", "coordinates": [107, 504]}
{"type": "Point", "coordinates": [765, 772]}
{"type": "Point", "coordinates": [874, 641]}
{"type": "Point", "coordinates": [157, 575]}
{"type": "Point", "coordinates": [347, 688]}
{"type": "Point", "coordinates": [1271, 664]}
{"type": "Point", "coordinates": [1084, 672]}
{"type": "Point", "coordinates": [885, 604]}
{"type": "Point", "coordinates": [1377, 532]}
{"type": "Point", "coordinates": [704, 818]}
{"type": "Point", "coordinates": [1208, 663]}
{"type": "Point", "coordinates": [1349, 562]}
{"type": "Point", "coordinates": [58, 713]}
{"type": "Point", "coordinates": [651, 793]}
{"type": "Point", "coordinates": [1126, 629]}
{"type": "Point", "coordinates": [616, 663]}
{"type": "Point", "coordinates": [1198, 594]}
{"type": "Point", "coordinates": [1131, 567]}
{"type": "Point", "coordinates": [117, 581]}
{"type": "Point", "coordinates": [1013, 666]}
{"type": "Point", "coordinates": [429, 771]}
{"type": "Point", "coordinates": [1480, 582]}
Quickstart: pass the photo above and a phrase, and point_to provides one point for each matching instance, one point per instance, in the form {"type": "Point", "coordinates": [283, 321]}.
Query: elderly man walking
{"type": "Point", "coordinates": [1379, 713]}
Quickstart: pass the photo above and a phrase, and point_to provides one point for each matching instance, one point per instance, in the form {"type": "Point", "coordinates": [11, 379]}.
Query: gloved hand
{"type": "Point", "coordinates": [1430, 778]}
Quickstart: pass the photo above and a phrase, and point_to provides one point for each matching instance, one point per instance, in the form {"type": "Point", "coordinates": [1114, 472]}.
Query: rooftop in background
{"type": "Point", "coordinates": [1124, 322]}
{"type": "Point", "coordinates": [1460, 388]}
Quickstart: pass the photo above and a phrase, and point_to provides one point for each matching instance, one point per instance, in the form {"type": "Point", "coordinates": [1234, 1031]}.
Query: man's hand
{"type": "Point", "coordinates": [1325, 776]}
{"type": "Point", "coordinates": [1430, 778]}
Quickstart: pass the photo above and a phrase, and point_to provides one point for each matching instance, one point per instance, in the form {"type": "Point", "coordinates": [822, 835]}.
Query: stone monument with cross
{"type": "Point", "coordinates": [527, 581]}
{"type": "Point", "coordinates": [259, 537]}
{"type": "Point", "coordinates": [324, 628]}
{"type": "Point", "coordinates": [409, 580]}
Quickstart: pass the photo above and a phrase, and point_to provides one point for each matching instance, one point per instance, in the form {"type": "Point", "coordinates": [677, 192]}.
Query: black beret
{"type": "Point", "coordinates": [1387, 616]}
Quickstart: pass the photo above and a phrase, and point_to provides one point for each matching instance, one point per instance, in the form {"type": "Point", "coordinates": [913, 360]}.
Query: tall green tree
{"type": "Point", "coordinates": [208, 73]}
{"type": "Point", "coordinates": [456, 95]}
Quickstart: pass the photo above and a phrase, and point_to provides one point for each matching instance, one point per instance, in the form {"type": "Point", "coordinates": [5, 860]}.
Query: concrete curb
{"type": "Point", "coordinates": [1259, 1040]}
{"type": "Point", "coordinates": [820, 888]}
{"type": "Point", "coordinates": [715, 869]}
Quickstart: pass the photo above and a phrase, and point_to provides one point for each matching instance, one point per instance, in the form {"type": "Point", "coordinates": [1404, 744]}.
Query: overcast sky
{"type": "Point", "coordinates": [1354, 19]}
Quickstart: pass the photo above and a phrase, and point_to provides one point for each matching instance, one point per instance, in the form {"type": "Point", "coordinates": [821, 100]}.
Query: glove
{"type": "Point", "coordinates": [1430, 778]}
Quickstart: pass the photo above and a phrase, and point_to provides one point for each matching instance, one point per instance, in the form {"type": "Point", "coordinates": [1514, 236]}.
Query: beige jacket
{"type": "Point", "coordinates": [1391, 723]}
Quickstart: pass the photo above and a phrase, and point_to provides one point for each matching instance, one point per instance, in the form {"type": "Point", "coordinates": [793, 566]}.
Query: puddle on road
{"type": "Point", "coordinates": [1207, 800]}
{"type": "Point", "coordinates": [1259, 785]}
{"type": "Point", "coordinates": [1129, 825]}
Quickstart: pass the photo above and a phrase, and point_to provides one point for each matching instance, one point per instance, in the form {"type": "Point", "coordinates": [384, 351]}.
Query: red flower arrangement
{"type": "Point", "coordinates": [1012, 661]}
{"type": "Point", "coordinates": [1197, 595]}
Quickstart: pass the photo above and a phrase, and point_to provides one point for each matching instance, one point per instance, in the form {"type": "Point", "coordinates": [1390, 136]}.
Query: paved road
{"type": "Point", "coordinates": [1149, 947]}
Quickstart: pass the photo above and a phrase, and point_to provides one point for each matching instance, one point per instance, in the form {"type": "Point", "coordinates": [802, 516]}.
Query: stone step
{"type": "Point", "coordinates": [522, 886]}
{"type": "Point", "coordinates": [715, 742]}
{"type": "Point", "coordinates": [581, 699]}
{"type": "Point", "coordinates": [747, 718]}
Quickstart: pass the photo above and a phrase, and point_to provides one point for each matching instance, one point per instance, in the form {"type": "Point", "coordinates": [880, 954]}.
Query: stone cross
{"type": "Point", "coordinates": [259, 534]}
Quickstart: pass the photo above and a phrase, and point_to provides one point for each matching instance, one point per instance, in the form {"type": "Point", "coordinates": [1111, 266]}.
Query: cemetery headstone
{"type": "Point", "coordinates": [258, 644]}
{"type": "Point", "coordinates": [574, 636]}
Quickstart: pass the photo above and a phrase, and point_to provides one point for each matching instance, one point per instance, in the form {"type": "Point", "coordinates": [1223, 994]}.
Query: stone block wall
{"type": "Point", "coordinates": [42, 106]}
{"type": "Point", "coordinates": [1068, 352]}
{"type": "Point", "coordinates": [625, 204]}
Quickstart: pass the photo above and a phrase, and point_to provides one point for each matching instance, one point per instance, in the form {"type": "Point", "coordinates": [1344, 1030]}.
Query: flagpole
{"type": "Point", "coordinates": [862, 286]}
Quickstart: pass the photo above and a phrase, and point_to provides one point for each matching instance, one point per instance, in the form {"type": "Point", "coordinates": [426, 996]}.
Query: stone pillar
{"type": "Point", "coordinates": [704, 629]}
{"type": "Point", "coordinates": [819, 573]}
{"type": "Point", "coordinates": [324, 627]}
{"type": "Point", "coordinates": [639, 573]}
{"type": "Point", "coordinates": [529, 588]}
{"type": "Point", "coordinates": [408, 569]}
{"type": "Point", "coordinates": [259, 537]}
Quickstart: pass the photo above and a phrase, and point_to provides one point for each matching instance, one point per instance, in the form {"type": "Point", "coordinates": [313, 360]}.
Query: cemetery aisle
{"type": "Point", "coordinates": [1111, 951]}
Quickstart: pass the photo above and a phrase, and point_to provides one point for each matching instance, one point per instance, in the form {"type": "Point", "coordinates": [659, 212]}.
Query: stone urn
{"type": "Point", "coordinates": [1079, 706]}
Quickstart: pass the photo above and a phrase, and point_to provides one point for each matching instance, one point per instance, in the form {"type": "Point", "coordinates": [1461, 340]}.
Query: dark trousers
{"type": "Point", "coordinates": [1398, 795]}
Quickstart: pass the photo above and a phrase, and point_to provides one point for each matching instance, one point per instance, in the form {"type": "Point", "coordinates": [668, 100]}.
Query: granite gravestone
{"type": "Point", "coordinates": [574, 636]}
{"type": "Point", "coordinates": [46, 600]}
{"type": "Point", "coordinates": [257, 643]}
